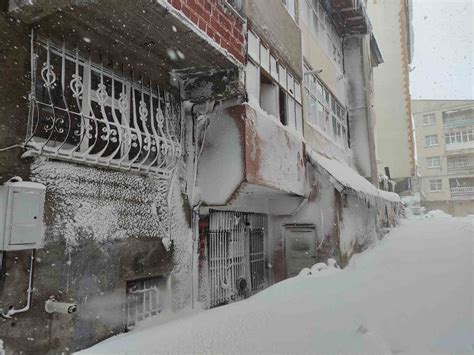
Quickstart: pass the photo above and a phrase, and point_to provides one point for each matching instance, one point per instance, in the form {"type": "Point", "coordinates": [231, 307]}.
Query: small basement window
{"type": "Point", "coordinates": [283, 107]}
{"type": "Point", "coordinates": [145, 298]}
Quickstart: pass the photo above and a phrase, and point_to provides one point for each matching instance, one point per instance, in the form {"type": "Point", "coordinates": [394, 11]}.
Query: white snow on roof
{"type": "Point", "coordinates": [349, 178]}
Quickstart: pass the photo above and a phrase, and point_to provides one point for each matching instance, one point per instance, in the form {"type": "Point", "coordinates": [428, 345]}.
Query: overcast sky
{"type": "Point", "coordinates": [444, 49]}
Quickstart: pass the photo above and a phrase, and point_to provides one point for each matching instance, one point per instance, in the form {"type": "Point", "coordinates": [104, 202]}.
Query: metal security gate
{"type": "Point", "coordinates": [257, 253]}
{"type": "Point", "coordinates": [236, 256]}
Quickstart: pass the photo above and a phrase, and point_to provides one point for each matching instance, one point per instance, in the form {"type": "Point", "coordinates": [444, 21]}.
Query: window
{"type": "Point", "coordinates": [458, 118]}
{"type": "Point", "coordinates": [85, 113]}
{"type": "Point", "coordinates": [271, 86]}
{"type": "Point", "coordinates": [324, 111]}
{"type": "Point", "coordinates": [457, 162]}
{"type": "Point", "coordinates": [253, 47]}
{"type": "Point", "coordinates": [268, 95]}
{"type": "Point", "coordinates": [315, 17]}
{"type": "Point", "coordinates": [429, 119]}
{"type": "Point", "coordinates": [282, 107]}
{"type": "Point", "coordinates": [431, 140]}
{"type": "Point", "coordinates": [290, 7]}
{"type": "Point", "coordinates": [459, 137]}
{"type": "Point", "coordinates": [436, 185]}
{"type": "Point", "coordinates": [145, 298]}
{"type": "Point", "coordinates": [433, 162]}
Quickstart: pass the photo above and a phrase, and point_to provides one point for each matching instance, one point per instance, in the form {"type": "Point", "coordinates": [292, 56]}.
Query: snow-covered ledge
{"type": "Point", "coordinates": [342, 176]}
{"type": "Point", "coordinates": [248, 153]}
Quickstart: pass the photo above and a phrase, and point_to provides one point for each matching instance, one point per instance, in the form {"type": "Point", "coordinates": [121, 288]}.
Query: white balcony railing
{"type": "Point", "coordinates": [460, 145]}
{"type": "Point", "coordinates": [462, 192]}
{"type": "Point", "coordinates": [453, 122]}
{"type": "Point", "coordinates": [461, 167]}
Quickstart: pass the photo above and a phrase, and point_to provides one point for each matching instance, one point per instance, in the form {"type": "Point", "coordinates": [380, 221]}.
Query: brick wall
{"type": "Point", "coordinates": [218, 21]}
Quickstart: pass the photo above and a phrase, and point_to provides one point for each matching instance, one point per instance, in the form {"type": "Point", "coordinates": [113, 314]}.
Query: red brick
{"type": "Point", "coordinates": [225, 34]}
{"type": "Point", "coordinates": [210, 31]}
{"type": "Point", "coordinates": [202, 24]}
{"type": "Point", "coordinates": [225, 22]}
{"type": "Point", "coordinates": [215, 24]}
{"type": "Point", "coordinates": [187, 11]}
{"type": "Point", "coordinates": [238, 37]}
{"type": "Point", "coordinates": [205, 16]}
{"type": "Point", "coordinates": [176, 4]}
{"type": "Point", "coordinates": [194, 18]}
{"type": "Point", "coordinates": [238, 27]}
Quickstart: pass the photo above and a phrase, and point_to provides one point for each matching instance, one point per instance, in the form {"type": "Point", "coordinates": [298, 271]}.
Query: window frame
{"type": "Point", "coordinates": [430, 144]}
{"type": "Point", "coordinates": [429, 119]}
{"type": "Point", "coordinates": [437, 184]}
{"type": "Point", "coordinates": [430, 162]}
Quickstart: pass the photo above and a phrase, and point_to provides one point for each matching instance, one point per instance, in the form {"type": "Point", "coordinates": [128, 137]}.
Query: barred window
{"type": "Point", "coordinates": [84, 112]}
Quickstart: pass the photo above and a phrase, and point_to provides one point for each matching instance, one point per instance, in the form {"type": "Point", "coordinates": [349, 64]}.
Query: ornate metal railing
{"type": "Point", "coordinates": [86, 113]}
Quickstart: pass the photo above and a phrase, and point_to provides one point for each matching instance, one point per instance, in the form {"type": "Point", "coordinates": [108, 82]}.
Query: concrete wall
{"type": "Point", "coordinates": [392, 98]}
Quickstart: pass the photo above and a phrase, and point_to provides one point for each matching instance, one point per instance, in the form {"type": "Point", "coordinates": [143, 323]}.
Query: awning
{"type": "Point", "coordinates": [343, 177]}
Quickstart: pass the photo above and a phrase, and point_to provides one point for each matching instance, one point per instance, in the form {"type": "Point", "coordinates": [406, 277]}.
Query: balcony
{"type": "Point", "coordinates": [461, 147]}
{"type": "Point", "coordinates": [462, 193]}
{"type": "Point", "coordinates": [464, 168]}
{"type": "Point", "coordinates": [458, 118]}
{"type": "Point", "coordinates": [249, 160]}
{"type": "Point", "coordinates": [456, 122]}
{"type": "Point", "coordinates": [349, 16]}
{"type": "Point", "coordinates": [159, 39]}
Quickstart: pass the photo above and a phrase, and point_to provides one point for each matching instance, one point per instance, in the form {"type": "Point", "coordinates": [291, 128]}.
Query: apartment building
{"type": "Point", "coordinates": [445, 154]}
{"type": "Point", "coordinates": [392, 26]}
{"type": "Point", "coordinates": [177, 154]}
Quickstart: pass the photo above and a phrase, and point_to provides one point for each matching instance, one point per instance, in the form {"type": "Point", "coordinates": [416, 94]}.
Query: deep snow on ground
{"type": "Point", "coordinates": [411, 293]}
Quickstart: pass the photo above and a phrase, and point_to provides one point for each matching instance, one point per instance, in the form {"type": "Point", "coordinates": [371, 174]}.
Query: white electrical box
{"type": "Point", "coordinates": [21, 215]}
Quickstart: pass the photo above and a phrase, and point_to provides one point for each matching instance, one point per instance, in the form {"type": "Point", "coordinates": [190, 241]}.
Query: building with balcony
{"type": "Point", "coordinates": [391, 21]}
{"type": "Point", "coordinates": [445, 153]}
{"type": "Point", "coordinates": [192, 152]}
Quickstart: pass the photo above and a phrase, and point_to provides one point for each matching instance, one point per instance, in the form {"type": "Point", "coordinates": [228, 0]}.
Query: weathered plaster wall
{"type": "Point", "coordinates": [358, 224]}
{"type": "Point", "coordinates": [320, 210]}
{"type": "Point", "coordinates": [102, 229]}
{"type": "Point", "coordinates": [14, 88]}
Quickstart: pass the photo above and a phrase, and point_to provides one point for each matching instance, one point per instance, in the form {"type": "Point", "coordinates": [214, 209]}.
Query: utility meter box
{"type": "Point", "coordinates": [21, 215]}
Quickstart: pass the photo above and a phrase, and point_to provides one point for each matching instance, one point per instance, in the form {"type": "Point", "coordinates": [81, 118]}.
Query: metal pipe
{"type": "Point", "coordinates": [12, 310]}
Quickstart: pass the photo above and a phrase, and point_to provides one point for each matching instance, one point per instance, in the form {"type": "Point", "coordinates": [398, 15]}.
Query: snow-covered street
{"type": "Point", "coordinates": [411, 293]}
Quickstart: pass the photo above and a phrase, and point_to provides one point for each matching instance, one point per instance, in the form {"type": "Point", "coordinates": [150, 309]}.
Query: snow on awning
{"type": "Point", "coordinates": [342, 176]}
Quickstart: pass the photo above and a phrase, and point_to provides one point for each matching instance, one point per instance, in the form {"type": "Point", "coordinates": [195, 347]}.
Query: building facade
{"type": "Point", "coordinates": [445, 154]}
{"type": "Point", "coordinates": [391, 21]}
{"type": "Point", "coordinates": [177, 153]}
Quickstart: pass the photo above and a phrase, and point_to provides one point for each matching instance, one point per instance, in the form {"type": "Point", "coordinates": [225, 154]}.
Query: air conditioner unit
{"type": "Point", "coordinates": [21, 215]}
